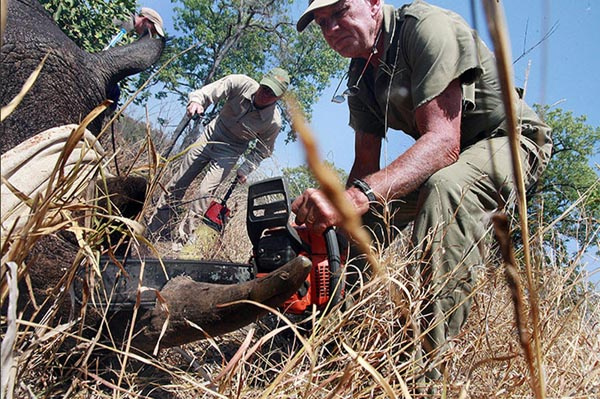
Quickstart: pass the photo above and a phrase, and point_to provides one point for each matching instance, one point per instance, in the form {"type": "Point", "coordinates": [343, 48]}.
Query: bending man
{"type": "Point", "coordinates": [248, 114]}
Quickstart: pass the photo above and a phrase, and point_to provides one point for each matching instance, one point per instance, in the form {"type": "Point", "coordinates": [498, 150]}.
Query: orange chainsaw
{"type": "Point", "coordinates": [276, 241]}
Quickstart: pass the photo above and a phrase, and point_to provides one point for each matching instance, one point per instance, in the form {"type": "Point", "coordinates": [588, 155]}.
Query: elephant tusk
{"type": "Point", "coordinates": [194, 310]}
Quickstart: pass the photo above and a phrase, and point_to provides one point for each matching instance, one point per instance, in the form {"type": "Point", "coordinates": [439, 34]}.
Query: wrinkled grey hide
{"type": "Point", "coordinates": [72, 82]}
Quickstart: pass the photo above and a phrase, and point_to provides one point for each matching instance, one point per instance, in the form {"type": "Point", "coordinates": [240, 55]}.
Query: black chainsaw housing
{"type": "Point", "coordinates": [274, 250]}
{"type": "Point", "coordinates": [276, 241]}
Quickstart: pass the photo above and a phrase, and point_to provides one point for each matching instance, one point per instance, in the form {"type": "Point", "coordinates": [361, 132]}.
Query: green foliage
{"type": "Point", "coordinates": [300, 178]}
{"type": "Point", "coordinates": [245, 37]}
{"type": "Point", "coordinates": [89, 23]}
{"type": "Point", "coordinates": [569, 176]}
{"type": "Point", "coordinates": [214, 38]}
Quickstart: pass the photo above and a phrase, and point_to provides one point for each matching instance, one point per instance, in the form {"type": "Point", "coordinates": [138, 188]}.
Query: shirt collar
{"type": "Point", "coordinates": [265, 113]}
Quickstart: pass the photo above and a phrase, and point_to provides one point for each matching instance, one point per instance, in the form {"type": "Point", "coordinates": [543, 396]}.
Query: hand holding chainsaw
{"type": "Point", "coordinates": [313, 209]}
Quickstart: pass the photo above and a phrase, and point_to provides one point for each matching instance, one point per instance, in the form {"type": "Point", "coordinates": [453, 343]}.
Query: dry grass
{"type": "Point", "coordinates": [361, 352]}
{"type": "Point", "coordinates": [364, 351]}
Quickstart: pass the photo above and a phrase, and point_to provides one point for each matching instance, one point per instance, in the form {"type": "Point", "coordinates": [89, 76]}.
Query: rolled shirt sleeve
{"type": "Point", "coordinates": [439, 52]}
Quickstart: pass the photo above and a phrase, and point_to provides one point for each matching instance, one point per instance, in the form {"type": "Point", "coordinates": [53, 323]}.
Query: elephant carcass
{"type": "Point", "coordinates": [72, 82]}
{"type": "Point", "coordinates": [70, 85]}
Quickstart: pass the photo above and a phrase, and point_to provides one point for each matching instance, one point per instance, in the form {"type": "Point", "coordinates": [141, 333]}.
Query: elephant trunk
{"type": "Point", "coordinates": [119, 62]}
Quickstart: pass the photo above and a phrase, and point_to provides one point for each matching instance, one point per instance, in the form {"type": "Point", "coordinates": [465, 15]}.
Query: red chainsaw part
{"type": "Point", "coordinates": [217, 214]}
{"type": "Point", "coordinates": [319, 278]}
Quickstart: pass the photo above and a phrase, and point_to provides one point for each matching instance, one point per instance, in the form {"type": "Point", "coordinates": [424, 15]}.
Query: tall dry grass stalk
{"type": "Point", "coordinates": [329, 183]}
{"type": "Point", "coordinates": [499, 33]}
{"type": "Point", "coordinates": [14, 103]}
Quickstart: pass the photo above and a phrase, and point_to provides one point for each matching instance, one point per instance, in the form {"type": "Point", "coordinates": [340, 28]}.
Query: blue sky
{"type": "Point", "coordinates": [563, 71]}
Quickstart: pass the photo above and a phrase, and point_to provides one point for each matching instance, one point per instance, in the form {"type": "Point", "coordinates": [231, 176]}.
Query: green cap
{"type": "Point", "coordinates": [307, 16]}
{"type": "Point", "coordinates": [276, 79]}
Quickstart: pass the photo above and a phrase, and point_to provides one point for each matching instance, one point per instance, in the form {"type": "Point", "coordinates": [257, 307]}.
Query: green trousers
{"type": "Point", "coordinates": [450, 212]}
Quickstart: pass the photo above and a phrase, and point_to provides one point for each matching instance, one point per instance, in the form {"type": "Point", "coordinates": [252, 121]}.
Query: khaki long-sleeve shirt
{"type": "Point", "coordinates": [239, 120]}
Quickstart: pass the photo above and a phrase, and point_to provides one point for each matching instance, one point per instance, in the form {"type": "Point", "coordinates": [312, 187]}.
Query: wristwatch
{"type": "Point", "coordinates": [366, 189]}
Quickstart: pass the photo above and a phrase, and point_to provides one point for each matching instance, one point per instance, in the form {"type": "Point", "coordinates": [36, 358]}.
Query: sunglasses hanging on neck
{"type": "Point", "coordinates": [354, 89]}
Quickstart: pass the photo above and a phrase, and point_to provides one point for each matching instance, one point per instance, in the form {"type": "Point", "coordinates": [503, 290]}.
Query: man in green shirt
{"type": "Point", "coordinates": [422, 70]}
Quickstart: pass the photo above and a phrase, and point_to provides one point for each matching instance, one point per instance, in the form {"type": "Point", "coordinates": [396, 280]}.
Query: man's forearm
{"type": "Point", "coordinates": [214, 92]}
{"type": "Point", "coordinates": [367, 153]}
{"type": "Point", "coordinates": [411, 169]}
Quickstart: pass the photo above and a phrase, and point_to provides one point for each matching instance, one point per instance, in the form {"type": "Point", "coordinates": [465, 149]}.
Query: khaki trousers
{"type": "Point", "coordinates": [214, 153]}
{"type": "Point", "coordinates": [450, 214]}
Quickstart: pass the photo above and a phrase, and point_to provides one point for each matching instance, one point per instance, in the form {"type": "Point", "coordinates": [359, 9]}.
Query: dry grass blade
{"type": "Point", "coordinates": [10, 336]}
{"type": "Point", "coordinates": [330, 184]}
{"type": "Point", "coordinates": [238, 355]}
{"type": "Point", "coordinates": [165, 308]}
{"type": "Point", "coordinates": [10, 107]}
{"type": "Point", "coordinates": [577, 203]}
{"type": "Point", "coordinates": [499, 34]}
{"type": "Point", "coordinates": [501, 227]}
{"type": "Point", "coordinates": [17, 193]}
{"type": "Point", "coordinates": [76, 136]}
{"type": "Point", "coordinates": [306, 347]}
{"type": "Point", "coordinates": [3, 12]}
{"type": "Point", "coordinates": [148, 361]}
{"type": "Point", "coordinates": [371, 370]}
{"type": "Point", "coordinates": [114, 387]}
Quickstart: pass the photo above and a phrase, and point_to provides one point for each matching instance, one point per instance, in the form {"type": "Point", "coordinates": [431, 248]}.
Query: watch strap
{"type": "Point", "coordinates": [366, 189]}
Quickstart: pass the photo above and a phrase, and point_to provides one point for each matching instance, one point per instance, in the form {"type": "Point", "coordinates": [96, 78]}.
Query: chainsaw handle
{"type": "Point", "coordinates": [229, 191]}
{"type": "Point", "coordinates": [179, 130]}
{"type": "Point", "coordinates": [335, 267]}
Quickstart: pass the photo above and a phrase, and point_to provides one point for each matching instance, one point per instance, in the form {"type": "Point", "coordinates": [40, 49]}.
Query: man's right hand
{"type": "Point", "coordinates": [194, 109]}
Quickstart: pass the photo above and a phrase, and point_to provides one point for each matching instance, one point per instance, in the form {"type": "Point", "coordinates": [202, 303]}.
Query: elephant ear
{"type": "Point", "coordinates": [117, 63]}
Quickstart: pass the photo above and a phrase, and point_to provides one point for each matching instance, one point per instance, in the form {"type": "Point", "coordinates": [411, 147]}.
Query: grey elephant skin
{"type": "Point", "coordinates": [71, 84]}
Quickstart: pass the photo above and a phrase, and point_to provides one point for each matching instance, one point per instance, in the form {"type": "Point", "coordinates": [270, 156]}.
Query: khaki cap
{"type": "Point", "coordinates": [155, 18]}
{"type": "Point", "coordinates": [308, 16]}
{"type": "Point", "coordinates": [277, 80]}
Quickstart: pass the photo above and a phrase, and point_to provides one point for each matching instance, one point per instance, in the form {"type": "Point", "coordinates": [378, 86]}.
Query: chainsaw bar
{"type": "Point", "coordinates": [124, 287]}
